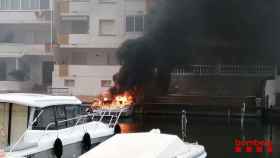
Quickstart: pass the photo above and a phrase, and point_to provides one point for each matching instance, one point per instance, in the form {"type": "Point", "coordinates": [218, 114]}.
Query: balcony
{"type": "Point", "coordinates": [71, 7]}
{"type": "Point", "coordinates": [15, 86]}
{"type": "Point", "coordinates": [18, 50]}
{"type": "Point", "coordinates": [225, 70]}
{"type": "Point", "coordinates": [25, 16]}
{"type": "Point", "coordinates": [74, 39]}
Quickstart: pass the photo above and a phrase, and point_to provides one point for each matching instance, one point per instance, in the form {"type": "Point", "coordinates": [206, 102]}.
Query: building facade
{"type": "Point", "coordinates": [272, 92]}
{"type": "Point", "coordinates": [88, 33]}
{"type": "Point", "coordinates": [26, 57]}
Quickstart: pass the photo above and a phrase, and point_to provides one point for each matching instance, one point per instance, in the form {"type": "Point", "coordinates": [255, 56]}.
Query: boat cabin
{"type": "Point", "coordinates": [20, 112]}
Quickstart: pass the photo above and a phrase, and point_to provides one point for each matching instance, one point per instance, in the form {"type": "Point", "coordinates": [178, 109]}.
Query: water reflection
{"type": "Point", "coordinates": [216, 134]}
{"type": "Point", "coordinates": [129, 127]}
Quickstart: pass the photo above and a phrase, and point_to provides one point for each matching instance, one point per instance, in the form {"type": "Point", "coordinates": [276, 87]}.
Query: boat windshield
{"type": "Point", "coordinates": [53, 117]}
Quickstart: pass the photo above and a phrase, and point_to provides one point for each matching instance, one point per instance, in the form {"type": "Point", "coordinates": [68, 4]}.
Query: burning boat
{"type": "Point", "coordinates": [115, 103]}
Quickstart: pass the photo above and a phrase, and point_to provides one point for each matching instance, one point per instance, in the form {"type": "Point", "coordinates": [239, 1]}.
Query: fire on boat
{"type": "Point", "coordinates": [114, 103]}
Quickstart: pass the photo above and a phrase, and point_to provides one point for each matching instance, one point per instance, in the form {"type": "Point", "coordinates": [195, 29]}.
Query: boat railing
{"type": "Point", "coordinates": [18, 141]}
{"type": "Point", "coordinates": [112, 114]}
{"type": "Point", "coordinates": [92, 116]}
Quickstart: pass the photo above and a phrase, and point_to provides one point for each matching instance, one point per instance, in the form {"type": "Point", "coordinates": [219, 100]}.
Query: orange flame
{"type": "Point", "coordinates": [107, 101]}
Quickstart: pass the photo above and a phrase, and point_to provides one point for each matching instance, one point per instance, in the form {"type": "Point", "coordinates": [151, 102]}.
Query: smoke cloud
{"type": "Point", "coordinates": [183, 32]}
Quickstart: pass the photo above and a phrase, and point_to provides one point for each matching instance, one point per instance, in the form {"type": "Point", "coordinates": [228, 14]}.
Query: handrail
{"type": "Point", "coordinates": [21, 137]}
{"type": "Point", "coordinates": [118, 118]}
{"type": "Point", "coordinates": [224, 69]}
{"type": "Point", "coordinates": [58, 91]}
{"type": "Point", "coordinates": [79, 119]}
{"type": "Point", "coordinates": [103, 114]}
{"type": "Point", "coordinates": [52, 123]}
{"type": "Point", "coordinates": [62, 121]}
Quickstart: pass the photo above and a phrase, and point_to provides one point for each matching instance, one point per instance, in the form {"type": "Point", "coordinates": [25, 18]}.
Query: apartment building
{"type": "Point", "coordinates": [88, 34]}
{"type": "Point", "coordinates": [26, 57]}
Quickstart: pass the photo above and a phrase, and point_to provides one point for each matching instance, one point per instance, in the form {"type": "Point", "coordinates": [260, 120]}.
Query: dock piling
{"type": "Point", "coordinates": [184, 122]}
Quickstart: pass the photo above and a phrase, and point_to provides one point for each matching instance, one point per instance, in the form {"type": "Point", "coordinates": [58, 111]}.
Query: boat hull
{"type": "Point", "coordinates": [69, 151]}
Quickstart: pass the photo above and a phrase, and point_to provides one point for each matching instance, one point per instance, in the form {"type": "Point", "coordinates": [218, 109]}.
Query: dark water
{"type": "Point", "coordinates": [216, 134]}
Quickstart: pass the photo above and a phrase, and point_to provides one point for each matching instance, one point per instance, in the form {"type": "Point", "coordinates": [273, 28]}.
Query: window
{"type": "Point", "coordinates": [135, 23]}
{"type": "Point", "coordinates": [24, 4]}
{"type": "Point", "coordinates": [130, 24]}
{"type": "Point", "coordinates": [139, 23]}
{"type": "Point", "coordinates": [15, 4]}
{"type": "Point", "coordinates": [73, 26]}
{"type": "Point", "coordinates": [107, 27]}
{"type": "Point", "coordinates": [55, 117]}
{"type": "Point", "coordinates": [35, 4]}
{"type": "Point", "coordinates": [44, 4]}
{"type": "Point", "coordinates": [60, 117]}
{"type": "Point", "coordinates": [72, 111]}
{"type": "Point", "coordinates": [3, 4]}
{"type": "Point", "coordinates": [46, 119]}
{"type": "Point", "coordinates": [69, 83]}
{"type": "Point", "coordinates": [3, 70]}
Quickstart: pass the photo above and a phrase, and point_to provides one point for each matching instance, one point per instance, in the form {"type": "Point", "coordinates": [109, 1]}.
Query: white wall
{"type": "Point", "coordinates": [87, 78]}
{"type": "Point", "coordinates": [81, 7]}
{"type": "Point", "coordinates": [15, 86]}
{"type": "Point", "coordinates": [270, 90]}
{"type": "Point", "coordinates": [116, 11]}
{"type": "Point", "coordinates": [19, 17]}
{"type": "Point", "coordinates": [84, 56]}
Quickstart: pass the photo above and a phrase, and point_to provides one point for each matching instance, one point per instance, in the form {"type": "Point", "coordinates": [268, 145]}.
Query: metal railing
{"type": "Point", "coordinates": [65, 6]}
{"type": "Point", "coordinates": [95, 114]}
{"type": "Point", "coordinates": [224, 70]}
{"type": "Point", "coordinates": [58, 91]}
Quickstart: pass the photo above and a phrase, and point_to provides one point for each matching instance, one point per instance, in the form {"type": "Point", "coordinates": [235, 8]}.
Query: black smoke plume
{"type": "Point", "coordinates": [183, 32]}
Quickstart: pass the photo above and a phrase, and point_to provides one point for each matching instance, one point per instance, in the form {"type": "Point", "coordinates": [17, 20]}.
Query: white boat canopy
{"type": "Point", "coordinates": [37, 100]}
{"type": "Point", "coordinates": [145, 145]}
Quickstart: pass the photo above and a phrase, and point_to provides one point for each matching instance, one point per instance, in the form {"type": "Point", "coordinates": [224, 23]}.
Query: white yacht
{"type": "Point", "coordinates": [44, 126]}
{"type": "Point", "coordinates": [151, 144]}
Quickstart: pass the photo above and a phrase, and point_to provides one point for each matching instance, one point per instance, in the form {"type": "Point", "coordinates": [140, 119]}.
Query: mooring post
{"type": "Point", "coordinates": [243, 111]}
{"type": "Point", "coordinates": [228, 114]}
{"type": "Point", "coordinates": [184, 122]}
